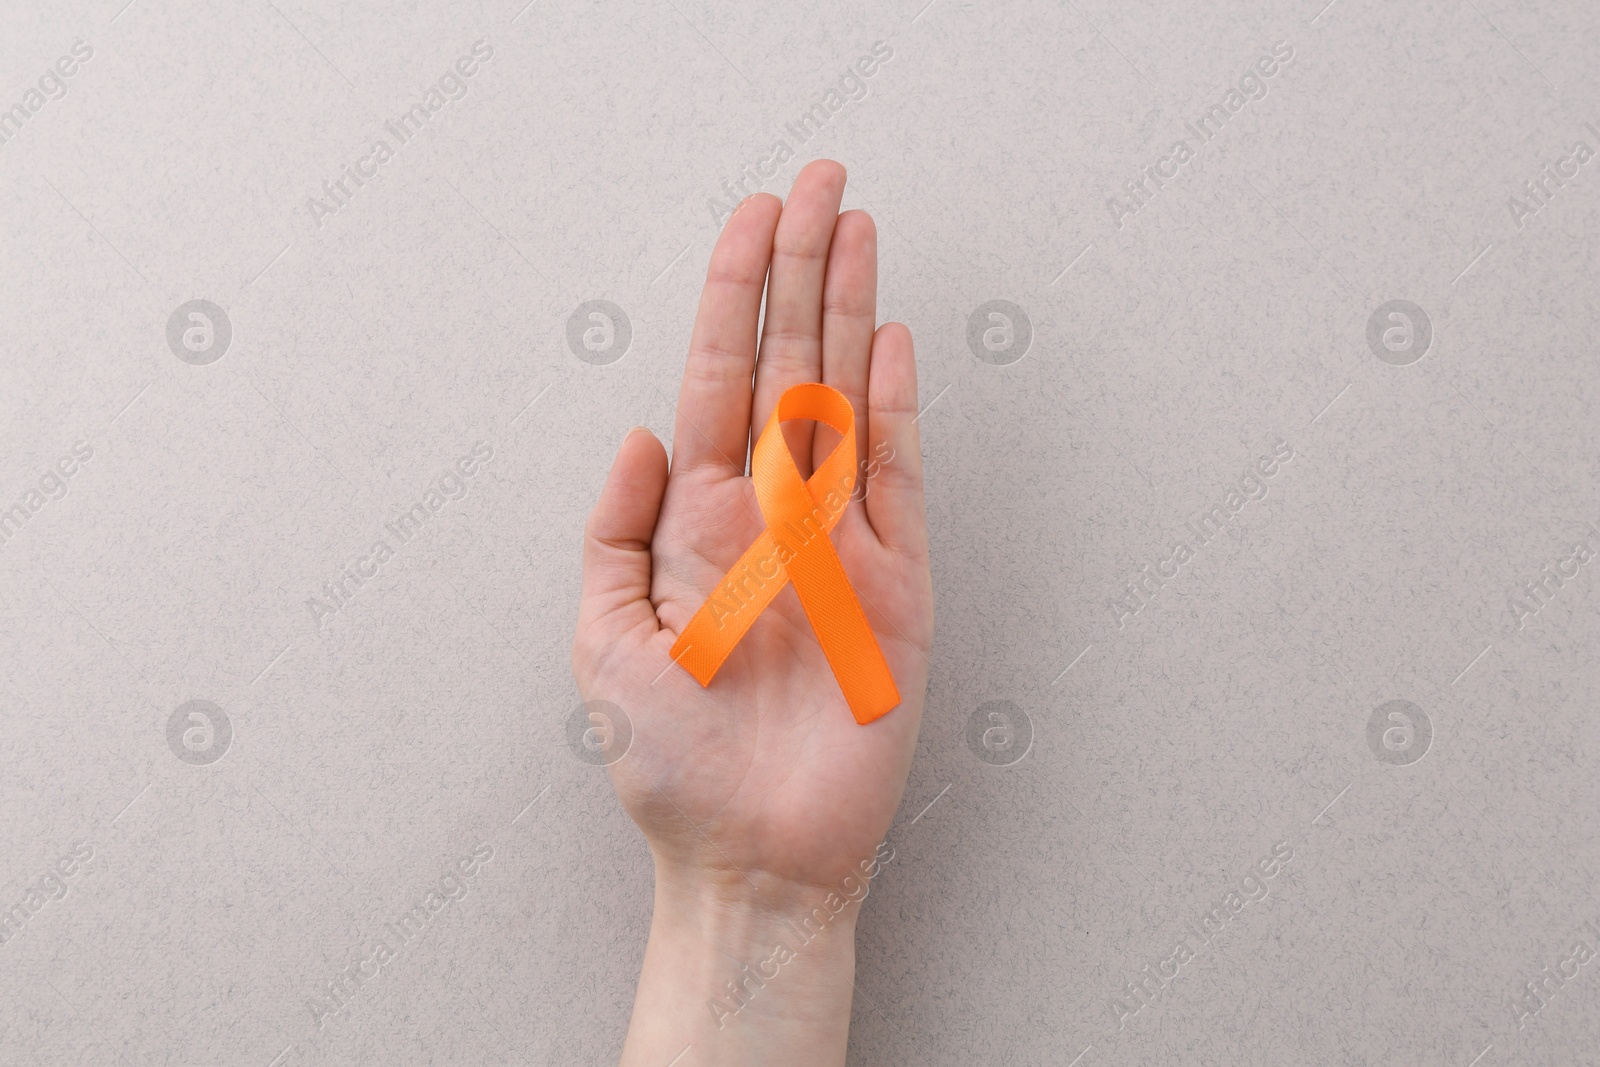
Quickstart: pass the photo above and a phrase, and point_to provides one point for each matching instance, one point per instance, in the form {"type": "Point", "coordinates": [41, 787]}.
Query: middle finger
{"type": "Point", "coordinates": [791, 336]}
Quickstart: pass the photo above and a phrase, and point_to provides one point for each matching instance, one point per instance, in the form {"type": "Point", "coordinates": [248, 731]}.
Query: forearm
{"type": "Point", "coordinates": [742, 973]}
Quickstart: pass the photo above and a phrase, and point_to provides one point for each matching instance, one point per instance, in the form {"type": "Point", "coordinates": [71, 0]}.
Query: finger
{"type": "Point", "coordinates": [616, 541]}
{"type": "Point", "coordinates": [713, 420]}
{"type": "Point", "coordinates": [849, 316]}
{"type": "Point", "coordinates": [894, 455]}
{"type": "Point", "coordinates": [791, 336]}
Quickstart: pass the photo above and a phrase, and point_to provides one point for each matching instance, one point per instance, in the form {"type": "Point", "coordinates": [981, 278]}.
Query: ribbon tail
{"type": "Point", "coordinates": [727, 614]}
{"type": "Point", "coordinates": [842, 629]}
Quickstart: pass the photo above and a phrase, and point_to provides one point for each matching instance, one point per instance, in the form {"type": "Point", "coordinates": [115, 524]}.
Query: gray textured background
{"type": "Point", "coordinates": [1173, 346]}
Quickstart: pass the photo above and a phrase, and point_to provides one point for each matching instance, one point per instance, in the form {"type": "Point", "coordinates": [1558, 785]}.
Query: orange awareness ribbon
{"type": "Point", "coordinates": [795, 548]}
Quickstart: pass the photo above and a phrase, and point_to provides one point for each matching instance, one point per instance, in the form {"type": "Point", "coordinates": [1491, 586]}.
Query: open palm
{"type": "Point", "coordinates": [764, 775]}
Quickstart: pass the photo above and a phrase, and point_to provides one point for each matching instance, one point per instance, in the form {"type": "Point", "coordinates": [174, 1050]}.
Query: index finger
{"type": "Point", "coordinates": [713, 421]}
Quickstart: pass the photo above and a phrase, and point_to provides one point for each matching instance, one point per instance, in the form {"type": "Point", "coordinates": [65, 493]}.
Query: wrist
{"type": "Point", "coordinates": [738, 966]}
{"type": "Point", "coordinates": [754, 897]}
{"type": "Point", "coordinates": [760, 948]}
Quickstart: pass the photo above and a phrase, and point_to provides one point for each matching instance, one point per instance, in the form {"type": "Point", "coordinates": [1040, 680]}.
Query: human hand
{"type": "Point", "coordinates": [761, 793]}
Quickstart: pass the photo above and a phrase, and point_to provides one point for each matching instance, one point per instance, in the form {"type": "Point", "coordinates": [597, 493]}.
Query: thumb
{"type": "Point", "coordinates": [616, 541]}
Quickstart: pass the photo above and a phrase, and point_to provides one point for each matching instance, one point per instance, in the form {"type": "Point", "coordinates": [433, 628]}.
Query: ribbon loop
{"type": "Point", "coordinates": [795, 547]}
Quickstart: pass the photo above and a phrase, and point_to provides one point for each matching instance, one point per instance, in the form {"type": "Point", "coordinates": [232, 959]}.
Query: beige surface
{"type": "Point", "coordinates": [1213, 798]}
